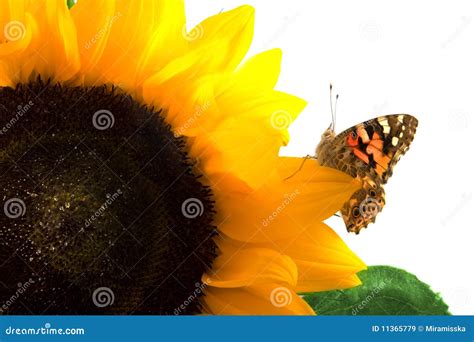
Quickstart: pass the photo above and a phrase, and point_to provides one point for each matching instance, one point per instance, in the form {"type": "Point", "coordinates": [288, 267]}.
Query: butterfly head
{"type": "Point", "coordinates": [363, 207]}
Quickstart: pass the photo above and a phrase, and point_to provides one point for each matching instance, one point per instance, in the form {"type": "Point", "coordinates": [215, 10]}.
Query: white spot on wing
{"type": "Point", "coordinates": [384, 122]}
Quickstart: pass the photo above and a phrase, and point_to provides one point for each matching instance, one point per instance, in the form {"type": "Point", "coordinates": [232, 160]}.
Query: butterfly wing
{"type": "Point", "coordinates": [372, 148]}
{"type": "Point", "coordinates": [363, 206]}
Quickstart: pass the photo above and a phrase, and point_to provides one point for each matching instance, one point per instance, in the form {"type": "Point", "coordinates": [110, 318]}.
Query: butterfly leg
{"type": "Point", "coordinates": [301, 166]}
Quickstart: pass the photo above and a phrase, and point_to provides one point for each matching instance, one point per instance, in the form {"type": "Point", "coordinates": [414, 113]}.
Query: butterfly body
{"type": "Point", "coordinates": [368, 152]}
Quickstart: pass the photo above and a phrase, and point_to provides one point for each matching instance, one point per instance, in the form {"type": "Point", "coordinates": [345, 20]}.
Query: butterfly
{"type": "Point", "coordinates": [367, 151]}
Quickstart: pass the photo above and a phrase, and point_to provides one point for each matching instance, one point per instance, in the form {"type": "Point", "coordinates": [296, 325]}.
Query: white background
{"type": "Point", "coordinates": [384, 58]}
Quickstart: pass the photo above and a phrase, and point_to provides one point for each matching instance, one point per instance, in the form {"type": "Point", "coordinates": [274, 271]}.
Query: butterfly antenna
{"type": "Point", "coordinates": [334, 118]}
{"type": "Point", "coordinates": [330, 101]}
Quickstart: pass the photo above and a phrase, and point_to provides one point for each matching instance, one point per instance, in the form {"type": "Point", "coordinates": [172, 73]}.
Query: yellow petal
{"type": "Point", "coordinates": [57, 56]}
{"type": "Point", "coordinates": [280, 209]}
{"type": "Point", "coordinates": [11, 10]}
{"type": "Point", "coordinates": [227, 35]}
{"type": "Point", "coordinates": [324, 261]}
{"type": "Point", "coordinates": [5, 78]}
{"type": "Point", "coordinates": [237, 267]}
{"type": "Point", "coordinates": [128, 40]}
{"type": "Point", "coordinates": [190, 107]}
{"type": "Point", "coordinates": [259, 72]}
{"type": "Point", "coordinates": [18, 29]}
{"type": "Point", "coordinates": [249, 141]}
{"type": "Point", "coordinates": [93, 20]}
{"type": "Point", "coordinates": [265, 299]}
{"type": "Point", "coordinates": [322, 244]}
{"type": "Point", "coordinates": [319, 191]}
{"type": "Point", "coordinates": [187, 82]}
{"type": "Point", "coordinates": [274, 110]}
{"type": "Point", "coordinates": [167, 41]}
{"type": "Point", "coordinates": [249, 153]}
{"type": "Point", "coordinates": [348, 282]}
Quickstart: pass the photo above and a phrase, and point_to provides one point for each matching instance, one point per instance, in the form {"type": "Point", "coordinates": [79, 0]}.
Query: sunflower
{"type": "Point", "coordinates": [140, 170]}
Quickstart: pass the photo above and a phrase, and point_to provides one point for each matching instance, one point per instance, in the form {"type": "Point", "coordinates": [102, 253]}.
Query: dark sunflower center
{"type": "Point", "coordinates": [101, 209]}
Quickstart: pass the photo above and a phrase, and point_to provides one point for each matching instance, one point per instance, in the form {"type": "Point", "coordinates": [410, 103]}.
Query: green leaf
{"type": "Point", "coordinates": [70, 3]}
{"type": "Point", "coordinates": [385, 290]}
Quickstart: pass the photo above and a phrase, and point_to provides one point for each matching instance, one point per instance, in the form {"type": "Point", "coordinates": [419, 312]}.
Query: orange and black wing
{"type": "Point", "coordinates": [379, 143]}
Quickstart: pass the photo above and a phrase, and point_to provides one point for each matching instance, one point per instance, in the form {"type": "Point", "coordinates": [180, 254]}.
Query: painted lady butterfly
{"type": "Point", "coordinates": [367, 151]}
